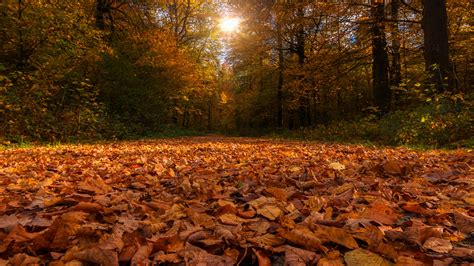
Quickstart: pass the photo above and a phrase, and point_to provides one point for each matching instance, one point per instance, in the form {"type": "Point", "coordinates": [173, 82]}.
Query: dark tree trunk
{"type": "Point", "coordinates": [396, 69]}
{"type": "Point", "coordinates": [102, 8]}
{"type": "Point", "coordinates": [21, 42]}
{"type": "Point", "coordinates": [436, 46]}
{"type": "Point", "coordinates": [380, 67]}
{"type": "Point", "coordinates": [300, 52]}
{"type": "Point", "coordinates": [281, 69]}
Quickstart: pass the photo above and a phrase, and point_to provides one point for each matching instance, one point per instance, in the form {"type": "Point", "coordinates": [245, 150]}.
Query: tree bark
{"type": "Point", "coordinates": [436, 44]}
{"type": "Point", "coordinates": [281, 69]}
{"type": "Point", "coordinates": [380, 67]}
{"type": "Point", "coordinates": [396, 69]}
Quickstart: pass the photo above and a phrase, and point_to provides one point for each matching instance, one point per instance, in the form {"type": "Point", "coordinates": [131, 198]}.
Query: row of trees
{"type": "Point", "coordinates": [79, 68]}
{"type": "Point", "coordinates": [300, 63]}
{"type": "Point", "coordinates": [88, 67]}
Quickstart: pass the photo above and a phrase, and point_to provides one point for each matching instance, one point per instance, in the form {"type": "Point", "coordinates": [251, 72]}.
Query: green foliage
{"type": "Point", "coordinates": [46, 91]}
{"type": "Point", "coordinates": [447, 124]}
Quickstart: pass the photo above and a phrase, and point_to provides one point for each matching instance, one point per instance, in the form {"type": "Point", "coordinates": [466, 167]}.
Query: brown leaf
{"type": "Point", "coordinates": [169, 243]}
{"type": "Point", "coordinates": [23, 260]}
{"type": "Point", "coordinates": [17, 235]}
{"type": "Point", "coordinates": [439, 245]}
{"type": "Point", "coordinates": [340, 237]}
{"type": "Point", "coordinates": [262, 258]}
{"type": "Point", "coordinates": [393, 167]}
{"type": "Point", "coordinates": [142, 255]}
{"type": "Point", "coordinates": [172, 258]}
{"type": "Point", "coordinates": [267, 240]}
{"type": "Point", "coordinates": [270, 212]}
{"type": "Point", "coordinates": [381, 213]}
{"type": "Point", "coordinates": [405, 260]}
{"type": "Point", "coordinates": [94, 184]}
{"type": "Point", "coordinates": [98, 255]}
{"type": "Point", "coordinates": [362, 257]}
{"type": "Point", "coordinates": [464, 222]}
{"type": "Point", "coordinates": [304, 237]}
{"type": "Point", "coordinates": [333, 259]}
{"type": "Point", "coordinates": [8, 222]}
{"type": "Point", "coordinates": [299, 257]}
{"type": "Point", "coordinates": [197, 256]}
{"type": "Point", "coordinates": [419, 233]}
{"type": "Point", "coordinates": [465, 253]}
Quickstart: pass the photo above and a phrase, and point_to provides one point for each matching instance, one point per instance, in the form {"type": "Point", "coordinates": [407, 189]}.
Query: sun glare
{"type": "Point", "coordinates": [229, 24]}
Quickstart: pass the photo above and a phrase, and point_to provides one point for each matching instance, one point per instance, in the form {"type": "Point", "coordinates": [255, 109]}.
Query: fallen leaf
{"type": "Point", "coordinates": [464, 222]}
{"type": "Point", "coordinates": [332, 259]}
{"type": "Point", "coordinates": [362, 257]}
{"type": "Point", "coordinates": [98, 255]}
{"type": "Point", "coordinates": [8, 222]}
{"type": "Point", "coordinates": [340, 237]}
{"type": "Point", "coordinates": [337, 166]}
{"type": "Point", "coordinates": [304, 237]}
{"type": "Point", "coordinates": [439, 245]}
{"type": "Point", "coordinates": [380, 212]}
{"type": "Point", "coordinates": [198, 256]}
{"type": "Point", "coordinates": [299, 257]}
{"type": "Point", "coordinates": [393, 167]}
{"type": "Point", "coordinates": [270, 212]}
{"type": "Point", "coordinates": [262, 258]}
{"type": "Point", "coordinates": [17, 235]}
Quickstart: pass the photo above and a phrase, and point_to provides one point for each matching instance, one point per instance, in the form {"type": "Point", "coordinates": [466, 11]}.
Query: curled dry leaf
{"type": "Point", "coordinates": [419, 233]}
{"type": "Point", "coordinates": [304, 237]}
{"type": "Point", "coordinates": [362, 257]}
{"type": "Point", "coordinates": [17, 235]}
{"type": "Point", "coordinates": [23, 259]}
{"type": "Point", "coordinates": [142, 255]}
{"type": "Point", "coordinates": [439, 245]}
{"type": "Point", "coordinates": [393, 167]}
{"type": "Point", "coordinates": [380, 212]}
{"type": "Point", "coordinates": [197, 256]}
{"type": "Point", "coordinates": [271, 212]}
{"type": "Point", "coordinates": [98, 255]}
{"type": "Point", "coordinates": [8, 222]}
{"type": "Point", "coordinates": [262, 258]}
{"type": "Point", "coordinates": [405, 260]}
{"type": "Point", "coordinates": [231, 195]}
{"type": "Point", "coordinates": [267, 240]}
{"type": "Point", "coordinates": [340, 237]}
{"type": "Point", "coordinates": [337, 166]}
{"type": "Point", "coordinates": [333, 259]}
{"type": "Point", "coordinates": [464, 222]}
{"type": "Point", "coordinates": [299, 257]}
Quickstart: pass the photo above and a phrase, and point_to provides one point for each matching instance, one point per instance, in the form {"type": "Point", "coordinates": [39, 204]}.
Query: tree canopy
{"type": "Point", "coordinates": [106, 68]}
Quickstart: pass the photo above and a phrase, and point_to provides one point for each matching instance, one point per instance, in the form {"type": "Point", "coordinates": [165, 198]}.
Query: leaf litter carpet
{"type": "Point", "coordinates": [235, 201]}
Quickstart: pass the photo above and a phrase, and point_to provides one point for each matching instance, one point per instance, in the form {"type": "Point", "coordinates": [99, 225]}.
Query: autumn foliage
{"type": "Point", "coordinates": [227, 201]}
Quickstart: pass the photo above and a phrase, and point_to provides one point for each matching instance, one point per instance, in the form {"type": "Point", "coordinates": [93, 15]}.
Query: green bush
{"type": "Point", "coordinates": [446, 122]}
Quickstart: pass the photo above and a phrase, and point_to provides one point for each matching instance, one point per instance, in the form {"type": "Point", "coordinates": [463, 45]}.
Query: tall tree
{"type": "Point", "coordinates": [396, 62]}
{"type": "Point", "coordinates": [380, 67]}
{"type": "Point", "coordinates": [436, 44]}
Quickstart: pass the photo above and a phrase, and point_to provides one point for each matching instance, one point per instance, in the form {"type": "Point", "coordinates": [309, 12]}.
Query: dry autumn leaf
{"type": "Point", "coordinates": [362, 257]}
{"type": "Point", "coordinates": [178, 201]}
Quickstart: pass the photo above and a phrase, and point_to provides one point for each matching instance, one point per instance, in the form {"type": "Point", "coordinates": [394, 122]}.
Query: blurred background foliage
{"type": "Point", "coordinates": [324, 70]}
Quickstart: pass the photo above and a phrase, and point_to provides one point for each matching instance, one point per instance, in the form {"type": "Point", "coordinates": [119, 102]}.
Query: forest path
{"type": "Point", "coordinates": [221, 201]}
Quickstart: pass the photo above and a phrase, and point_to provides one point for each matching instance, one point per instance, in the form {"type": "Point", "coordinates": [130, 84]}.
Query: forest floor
{"type": "Point", "coordinates": [224, 201]}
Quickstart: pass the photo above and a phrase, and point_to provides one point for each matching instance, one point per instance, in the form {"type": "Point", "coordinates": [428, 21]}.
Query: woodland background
{"type": "Point", "coordinates": [389, 72]}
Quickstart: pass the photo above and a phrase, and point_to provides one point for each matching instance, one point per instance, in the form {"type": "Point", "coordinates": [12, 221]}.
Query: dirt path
{"type": "Point", "coordinates": [224, 201]}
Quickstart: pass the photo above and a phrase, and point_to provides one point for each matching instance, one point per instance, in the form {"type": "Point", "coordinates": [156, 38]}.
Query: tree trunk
{"type": "Point", "coordinates": [436, 46]}
{"type": "Point", "coordinates": [396, 69]}
{"type": "Point", "coordinates": [380, 67]}
{"type": "Point", "coordinates": [102, 7]}
{"type": "Point", "coordinates": [300, 52]}
{"type": "Point", "coordinates": [280, 78]}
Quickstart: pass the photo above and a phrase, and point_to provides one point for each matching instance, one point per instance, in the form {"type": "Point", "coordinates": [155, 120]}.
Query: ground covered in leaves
{"type": "Point", "coordinates": [226, 201]}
